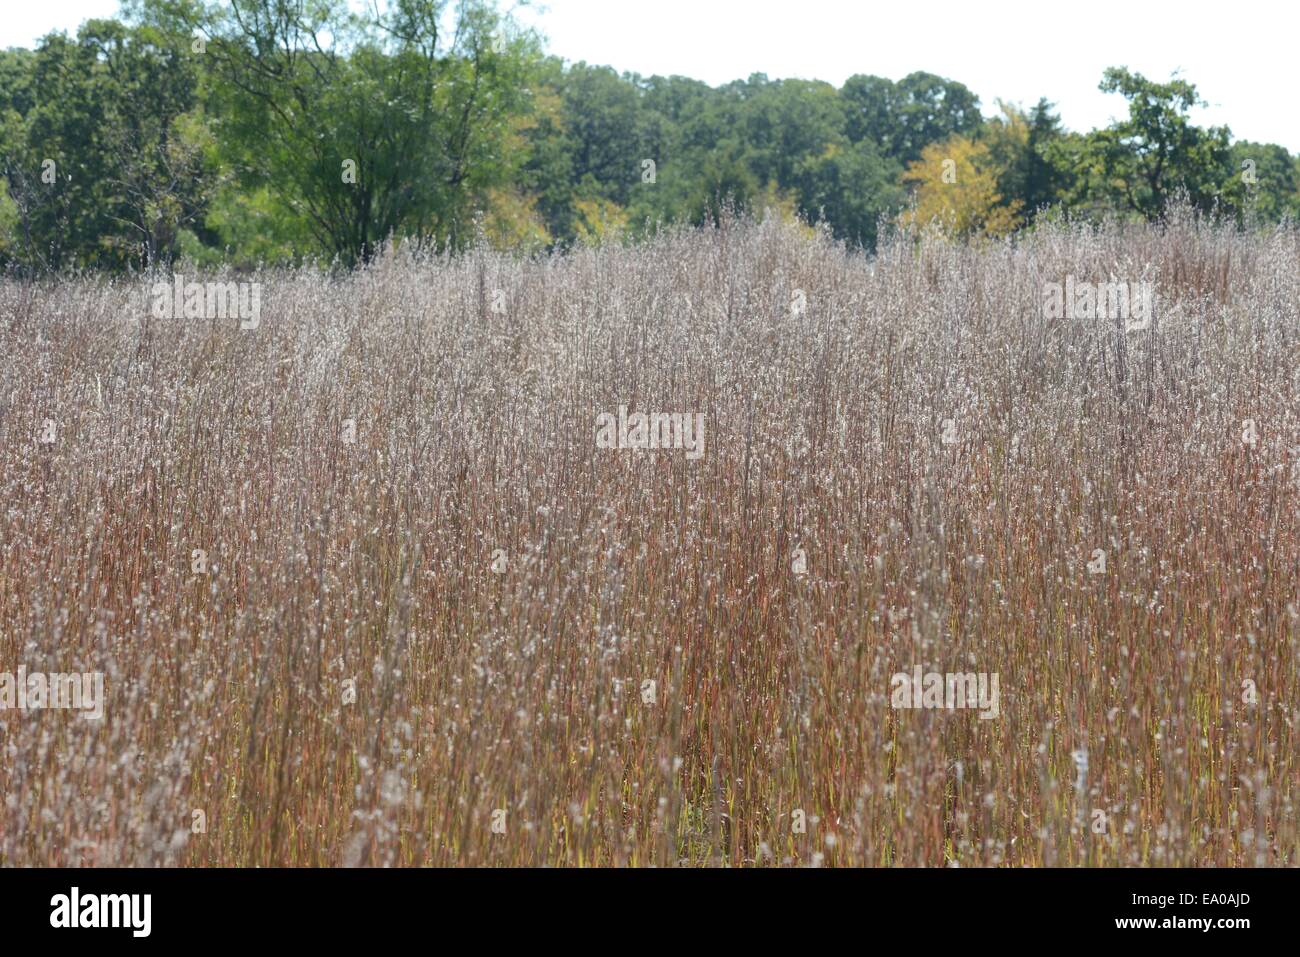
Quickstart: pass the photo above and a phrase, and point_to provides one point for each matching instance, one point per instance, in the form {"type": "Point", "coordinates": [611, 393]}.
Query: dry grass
{"type": "Point", "coordinates": [521, 690]}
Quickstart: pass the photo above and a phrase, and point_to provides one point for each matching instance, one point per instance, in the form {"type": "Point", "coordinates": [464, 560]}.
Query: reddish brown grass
{"type": "Point", "coordinates": [521, 691]}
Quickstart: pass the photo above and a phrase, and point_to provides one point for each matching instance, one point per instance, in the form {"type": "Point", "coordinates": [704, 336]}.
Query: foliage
{"type": "Point", "coordinates": [270, 131]}
{"type": "Point", "coordinates": [1140, 163]}
{"type": "Point", "coordinates": [956, 186]}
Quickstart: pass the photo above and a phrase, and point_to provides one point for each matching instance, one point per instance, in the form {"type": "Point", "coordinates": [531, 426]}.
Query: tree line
{"type": "Point", "coordinates": [269, 131]}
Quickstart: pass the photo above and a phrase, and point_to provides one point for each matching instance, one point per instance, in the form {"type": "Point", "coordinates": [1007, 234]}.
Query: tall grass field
{"type": "Point", "coordinates": [369, 583]}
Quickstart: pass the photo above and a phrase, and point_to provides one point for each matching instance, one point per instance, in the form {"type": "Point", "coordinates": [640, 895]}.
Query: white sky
{"type": "Point", "coordinates": [1242, 56]}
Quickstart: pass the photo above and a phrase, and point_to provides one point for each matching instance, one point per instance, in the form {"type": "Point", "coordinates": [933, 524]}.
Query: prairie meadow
{"type": "Point", "coordinates": [365, 586]}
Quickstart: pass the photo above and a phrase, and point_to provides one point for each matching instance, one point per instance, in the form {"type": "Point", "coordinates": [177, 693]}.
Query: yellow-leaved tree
{"type": "Point", "coordinates": [511, 221]}
{"type": "Point", "coordinates": [598, 220]}
{"type": "Point", "coordinates": [955, 184]}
